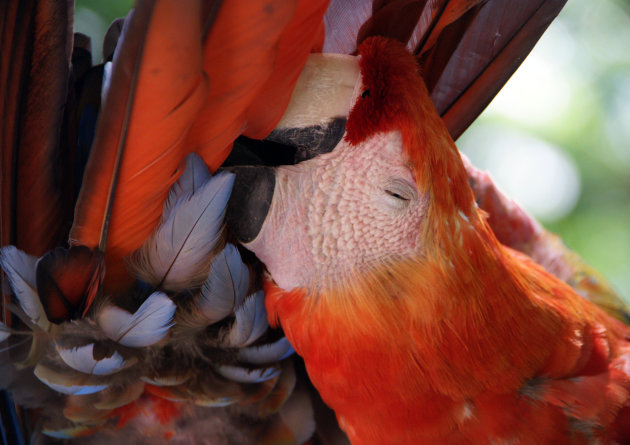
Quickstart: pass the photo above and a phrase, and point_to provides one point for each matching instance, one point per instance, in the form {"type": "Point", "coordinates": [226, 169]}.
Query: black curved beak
{"type": "Point", "coordinates": [250, 200]}
{"type": "Point", "coordinates": [254, 185]}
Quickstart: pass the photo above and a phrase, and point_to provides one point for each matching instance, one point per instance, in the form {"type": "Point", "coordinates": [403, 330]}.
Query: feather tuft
{"type": "Point", "coordinates": [175, 380]}
{"type": "Point", "coordinates": [176, 255]}
{"type": "Point", "coordinates": [226, 286]}
{"type": "Point", "coordinates": [20, 269]}
{"type": "Point", "coordinates": [71, 432]}
{"type": "Point", "coordinates": [281, 390]}
{"type": "Point", "coordinates": [148, 325]}
{"type": "Point", "coordinates": [250, 323]}
{"type": "Point", "coordinates": [116, 396]}
{"type": "Point", "coordinates": [82, 359]}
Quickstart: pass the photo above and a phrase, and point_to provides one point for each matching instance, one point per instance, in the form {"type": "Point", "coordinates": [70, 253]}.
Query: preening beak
{"type": "Point", "coordinates": [313, 123]}
{"type": "Point", "coordinates": [311, 141]}
{"type": "Point", "coordinates": [250, 200]}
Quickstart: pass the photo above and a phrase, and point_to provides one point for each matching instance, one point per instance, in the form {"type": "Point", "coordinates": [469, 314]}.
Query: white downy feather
{"type": "Point", "coordinates": [268, 353]}
{"type": "Point", "coordinates": [64, 382]}
{"type": "Point", "coordinates": [148, 325]}
{"type": "Point", "coordinates": [20, 269]}
{"type": "Point", "coordinates": [82, 359]}
{"type": "Point", "coordinates": [226, 286]}
{"type": "Point", "coordinates": [193, 177]}
{"type": "Point", "coordinates": [250, 323]}
{"type": "Point", "coordinates": [175, 257]}
{"type": "Point", "coordinates": [5, 332]}
{"type": "Point", "coordinates": [245, 375]}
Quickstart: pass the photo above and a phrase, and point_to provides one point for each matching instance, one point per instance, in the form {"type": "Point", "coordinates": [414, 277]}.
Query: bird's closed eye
{"type": "Point", "coordinates": [396, 195]}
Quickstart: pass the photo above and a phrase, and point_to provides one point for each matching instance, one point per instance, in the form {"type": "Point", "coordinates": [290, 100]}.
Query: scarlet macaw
{"type": "Point", "coordinates": [378, 253]}
{"type": "Point", "coordinates": [207, 72]}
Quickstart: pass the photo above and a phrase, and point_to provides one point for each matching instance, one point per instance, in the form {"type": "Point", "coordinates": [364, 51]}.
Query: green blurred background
{"type": "Point", "coordinates": [557, 136]}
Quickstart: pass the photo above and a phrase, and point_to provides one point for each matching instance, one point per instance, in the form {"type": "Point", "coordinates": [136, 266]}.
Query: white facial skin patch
{"type": "Point", "coordinates": [341, 213]}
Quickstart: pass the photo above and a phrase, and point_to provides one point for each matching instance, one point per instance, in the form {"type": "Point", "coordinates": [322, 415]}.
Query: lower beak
{"type": "Point", "coordinates": [250, 200]}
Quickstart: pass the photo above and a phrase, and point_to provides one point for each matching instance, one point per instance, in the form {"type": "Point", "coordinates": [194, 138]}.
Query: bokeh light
{"type": "Point", "coordinates": [557, 137]}
{"type": "Point", "coordinates": [535, 173]}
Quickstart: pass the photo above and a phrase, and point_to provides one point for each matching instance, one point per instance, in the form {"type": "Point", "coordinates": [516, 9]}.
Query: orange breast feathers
{"type": "Point", "coordinates": [400, 367]}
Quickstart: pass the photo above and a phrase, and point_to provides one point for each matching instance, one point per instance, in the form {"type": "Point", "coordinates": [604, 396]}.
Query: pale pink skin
{"type": "Point", "coordinates": [336, 215]}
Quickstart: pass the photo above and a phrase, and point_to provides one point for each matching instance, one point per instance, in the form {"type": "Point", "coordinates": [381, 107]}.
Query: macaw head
{"type": "Point", "coordinates": [386, 192]}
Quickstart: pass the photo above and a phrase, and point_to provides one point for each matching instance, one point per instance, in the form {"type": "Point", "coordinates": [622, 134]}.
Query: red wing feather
{"type": "Point", "coordinates": [395, 18]}
{"type": "Point", "coordinates": [254, 53]}
{"type": "Point", "coordinates": [305, 33]}
{"type": "Point", "coordinates": [158, 87]}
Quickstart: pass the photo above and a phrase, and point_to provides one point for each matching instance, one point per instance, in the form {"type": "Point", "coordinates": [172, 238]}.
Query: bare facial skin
{"type": "Point", "coordinates": [341, 213]}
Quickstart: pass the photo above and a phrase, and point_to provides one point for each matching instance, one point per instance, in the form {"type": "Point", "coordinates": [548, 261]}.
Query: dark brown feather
{"type": "Point", "coordinates": [468, 49]}
{"type": "Point", "coordinates": [394, 18]}
{"type": "Point", "coordinates": [518, 28]}
{"type": "Point", "coordinates": [81, 55]}
{"type": "Point", "coordinates": [34, 74]}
